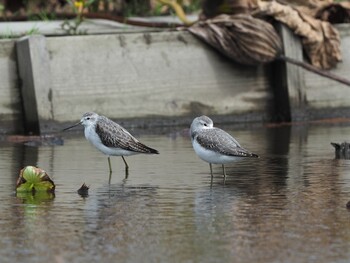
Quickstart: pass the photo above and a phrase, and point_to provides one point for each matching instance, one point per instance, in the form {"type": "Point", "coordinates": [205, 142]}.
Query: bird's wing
{"type": "Point", "coordinates": [220, 141]}
{"type": "Point", "coordinates": [114, 135]}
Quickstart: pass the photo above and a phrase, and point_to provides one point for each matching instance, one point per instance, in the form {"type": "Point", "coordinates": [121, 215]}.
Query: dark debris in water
{"type": "Point", "coordinates": [348, 205]}
{"type": "Point", "coordinates": [83, 191]}
{"type": "Point", "coordinates": [342, 150]}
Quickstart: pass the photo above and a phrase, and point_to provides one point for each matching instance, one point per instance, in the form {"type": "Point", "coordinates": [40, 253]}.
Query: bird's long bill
{"type": "Point", "coordinates": [70, 127]}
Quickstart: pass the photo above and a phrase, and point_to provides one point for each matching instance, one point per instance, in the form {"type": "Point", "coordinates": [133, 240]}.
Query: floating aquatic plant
{"type": "Point", "coordinates": [33, 179]}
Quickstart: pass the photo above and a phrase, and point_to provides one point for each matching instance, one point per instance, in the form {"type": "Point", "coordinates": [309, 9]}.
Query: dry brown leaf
{"type": "Point", "coordinates": [320, 39]}
{"type": "Point", "coordinates": [241, 37]}
{"type": "Point", "coordinates": [252, 41]}
{"type": "Point", "coordinates": [309, 7]}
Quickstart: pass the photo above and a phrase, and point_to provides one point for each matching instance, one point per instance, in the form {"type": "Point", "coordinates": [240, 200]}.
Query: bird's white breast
{"type": "Point", "coordinates": [211, 156]}
{"type": "Point", "coordinates": [94, 139]}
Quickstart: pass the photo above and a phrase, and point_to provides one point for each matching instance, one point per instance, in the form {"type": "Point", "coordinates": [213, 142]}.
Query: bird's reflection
{"type": "Point", "coordinates": [126, 176]}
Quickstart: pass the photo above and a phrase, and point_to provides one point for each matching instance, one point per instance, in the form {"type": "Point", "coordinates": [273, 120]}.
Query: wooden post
{"type": "Point", "coordinates": [34, 72]}
{"type": "Point", "coordinates": [288, 80]}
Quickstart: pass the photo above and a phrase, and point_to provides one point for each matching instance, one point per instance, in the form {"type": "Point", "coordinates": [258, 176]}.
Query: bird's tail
{"type": "Point", "coordinates": [140, 147]}
{"type": "Point", "coordinates": [151, 150]}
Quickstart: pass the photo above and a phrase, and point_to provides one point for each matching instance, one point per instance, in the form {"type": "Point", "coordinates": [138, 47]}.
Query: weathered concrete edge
{"type": "Point", "coordinates": [157, 122]}
{"type": "Point", "coordinates": [312, 113]}
{"type": "Point", "coordinates": [34, 72]}
{"type": "Point", "coordinates": [251, 81]}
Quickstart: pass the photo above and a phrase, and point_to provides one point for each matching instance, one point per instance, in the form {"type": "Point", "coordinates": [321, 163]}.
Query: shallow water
{"type": "Point", "coordinates": [287, 206]}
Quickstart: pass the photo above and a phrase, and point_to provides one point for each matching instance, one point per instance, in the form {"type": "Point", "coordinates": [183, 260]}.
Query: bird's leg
{"type": "Point", "coordinates": [211, 170]}
{"type": "Point", "coordinates": [126, 167]}
{"type": "Point", "coordinates": [223, 170]}
{"type": "Point", "coordinates": [109, 164]}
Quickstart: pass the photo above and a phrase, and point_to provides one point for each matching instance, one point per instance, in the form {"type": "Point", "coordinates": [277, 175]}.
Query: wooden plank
{"type": "Point", "coordinates": [10, 102]}
{"type": "Point", "coordinates": [150, 75]}
{"type": "Point", "coordinates": [34, 72]}
{"type": "Point", "coordinates": [288, 80]}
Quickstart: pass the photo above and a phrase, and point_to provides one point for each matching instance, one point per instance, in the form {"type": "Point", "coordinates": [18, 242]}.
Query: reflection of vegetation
{"type": "Point", "coordinates": [35, 198]}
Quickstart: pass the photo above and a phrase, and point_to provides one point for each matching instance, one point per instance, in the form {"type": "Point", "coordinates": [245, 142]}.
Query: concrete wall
{"type": "Point", "coordinates": [168, 75]}
{"type": "Point", "coordinates": [323, 93]}
{"type": "Point", "coordinates": [154, 78]}
{"type": "Point", "coordinates": [148, 75]}
{"type": "Point", "coordinates": [10, 102]}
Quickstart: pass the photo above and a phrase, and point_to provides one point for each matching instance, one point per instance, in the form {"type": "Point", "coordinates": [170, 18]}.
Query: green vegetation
{"type": "Point", "coordinates": [33, 179]}
{"type": "Point", "coordinates": [71, 27]}
{"type": "Point", "coordinates": [50, 10]}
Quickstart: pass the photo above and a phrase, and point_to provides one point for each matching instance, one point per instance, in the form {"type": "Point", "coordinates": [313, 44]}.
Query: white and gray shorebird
{"type": "Point", "coordinates": [111, 138]}
{"type": "Point", "coordinates": [214, 145]}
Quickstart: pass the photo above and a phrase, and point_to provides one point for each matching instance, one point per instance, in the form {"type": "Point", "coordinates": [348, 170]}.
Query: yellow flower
{"type": "Point", "coordinates": [78, 4]}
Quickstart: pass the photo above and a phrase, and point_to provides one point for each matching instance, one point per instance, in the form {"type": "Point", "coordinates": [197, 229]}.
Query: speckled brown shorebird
{"type": "Point", "coordinates": [214, 145]}
{"type": "Point", "coordinates": [111, 138]}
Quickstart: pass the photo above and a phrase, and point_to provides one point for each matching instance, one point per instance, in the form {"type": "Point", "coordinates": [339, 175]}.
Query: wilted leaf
{"type": "Point", "coordinates": [321, 41]}
{"type": "Point", "coordinates": [243, 38]}
{"type": "Point", "coordinates": [33, 179]}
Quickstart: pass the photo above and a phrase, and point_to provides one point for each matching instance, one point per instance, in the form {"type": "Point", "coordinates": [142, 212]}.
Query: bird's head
{"type": "Point", "coordinates": [89, 118]}
{"type": "Point", "coordinates": [200, 123]}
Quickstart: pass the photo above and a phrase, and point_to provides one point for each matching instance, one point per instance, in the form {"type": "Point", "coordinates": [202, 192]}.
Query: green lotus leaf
{"type": "Point", "coordinates": [33, 179]}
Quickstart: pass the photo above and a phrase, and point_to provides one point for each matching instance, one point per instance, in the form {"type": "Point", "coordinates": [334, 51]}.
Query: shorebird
{"type": "Point", "coordinates": [111, 138]}
{"type": "Point", "coordinates": [214, 145]}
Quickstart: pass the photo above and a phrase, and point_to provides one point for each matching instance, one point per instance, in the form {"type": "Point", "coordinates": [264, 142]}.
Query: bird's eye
{"type": "Point", "coordinates": [205, 124]}
{"type": "Point", "coordinates": [88, 118]}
